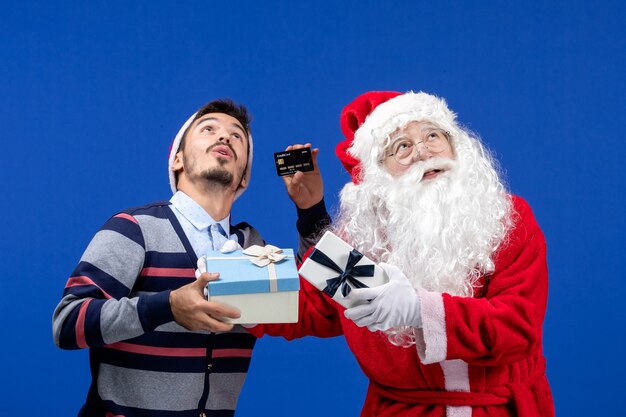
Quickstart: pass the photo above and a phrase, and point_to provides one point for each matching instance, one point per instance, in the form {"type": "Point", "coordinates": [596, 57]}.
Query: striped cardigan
{"type": "Point", "coordinates": [116, 303]}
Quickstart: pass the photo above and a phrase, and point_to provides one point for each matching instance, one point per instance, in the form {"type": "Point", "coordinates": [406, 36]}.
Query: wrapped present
{"type": "Point", "coordinates": [335, 267]}
{"type": "Point", "coordinates": [261, 282]}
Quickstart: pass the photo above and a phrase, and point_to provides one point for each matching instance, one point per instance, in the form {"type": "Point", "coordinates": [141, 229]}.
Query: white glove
{"type": "Point", "coordinates": [392, 305]}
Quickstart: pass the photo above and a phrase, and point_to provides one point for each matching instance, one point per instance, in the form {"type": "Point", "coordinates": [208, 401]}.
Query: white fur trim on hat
{"type": "Point", "coordinates": [396, 113]}
{"type": "Point", "coordinates": [174, 151]}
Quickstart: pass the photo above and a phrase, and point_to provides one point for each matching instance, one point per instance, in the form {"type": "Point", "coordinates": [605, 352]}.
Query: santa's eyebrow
{"type": "Point", "coordinates": [397, 138]}
{"type": "Point", "coordinates": [431, 128]}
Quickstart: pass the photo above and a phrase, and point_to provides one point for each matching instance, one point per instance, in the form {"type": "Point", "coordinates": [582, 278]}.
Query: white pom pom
{"type": "Point", "coordinates": [230, 246]}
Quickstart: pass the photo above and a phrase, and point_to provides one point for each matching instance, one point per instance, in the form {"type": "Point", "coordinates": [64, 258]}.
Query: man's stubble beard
{"type": "Point", "coordinates": [218, 177]}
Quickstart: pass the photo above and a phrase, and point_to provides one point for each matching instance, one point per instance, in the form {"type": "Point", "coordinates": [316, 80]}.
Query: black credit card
{"type": "Point", "coordinates": [289, 162]}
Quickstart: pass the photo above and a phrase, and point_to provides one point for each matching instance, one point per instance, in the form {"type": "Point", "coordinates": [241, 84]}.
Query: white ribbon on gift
{"type": "Point", "coordinates": [266, 255]}
{"type": "Point", "coordinates": [261, 256]}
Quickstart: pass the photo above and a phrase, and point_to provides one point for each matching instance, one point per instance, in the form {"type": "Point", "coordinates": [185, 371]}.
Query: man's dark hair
{"type": "Point", "coordinates": [225, 106]}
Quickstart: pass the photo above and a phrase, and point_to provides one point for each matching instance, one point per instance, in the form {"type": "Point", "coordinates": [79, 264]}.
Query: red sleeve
{"type": "Point", "coordinates": [317, 316]}
{"type": "Point", "coordinates": [504, 325]}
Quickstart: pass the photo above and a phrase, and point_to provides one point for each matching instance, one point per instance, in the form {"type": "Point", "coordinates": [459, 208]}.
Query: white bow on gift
{"type": "Point", "coordinates": [264, 255]}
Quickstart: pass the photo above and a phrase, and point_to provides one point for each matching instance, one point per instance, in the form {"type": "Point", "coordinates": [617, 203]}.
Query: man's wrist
{"type": "Point", "coordinates": [155, 310]}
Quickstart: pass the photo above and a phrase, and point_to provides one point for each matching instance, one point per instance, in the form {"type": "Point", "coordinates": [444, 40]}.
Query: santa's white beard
{"type": "Point", "coordinates": [441, 232]}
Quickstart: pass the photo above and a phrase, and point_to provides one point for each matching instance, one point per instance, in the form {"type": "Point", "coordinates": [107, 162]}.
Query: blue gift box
{"type": "Point", "coordinates": [263, 294]}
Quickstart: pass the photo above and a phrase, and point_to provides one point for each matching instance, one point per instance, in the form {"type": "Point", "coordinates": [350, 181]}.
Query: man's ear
{"type": "Point", "coordinates": [178, 162]}
{"type": "Point", "coordinates": [243, 183]}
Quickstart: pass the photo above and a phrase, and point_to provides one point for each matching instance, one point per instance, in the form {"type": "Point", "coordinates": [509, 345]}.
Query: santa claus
{"type": "Point", "coordinates": [457, 329]}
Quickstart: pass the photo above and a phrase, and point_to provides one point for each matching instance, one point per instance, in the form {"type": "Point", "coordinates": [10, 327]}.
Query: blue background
{"type": "Point", "coordinates": [92, 93]}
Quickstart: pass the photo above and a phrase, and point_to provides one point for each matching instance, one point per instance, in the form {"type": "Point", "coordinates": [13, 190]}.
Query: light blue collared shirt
{"type": "Point", "coordinates": [196, 222]}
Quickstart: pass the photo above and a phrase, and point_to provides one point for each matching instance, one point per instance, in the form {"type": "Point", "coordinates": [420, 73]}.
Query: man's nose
{"type": "Point", "coordinates": [223, 136]}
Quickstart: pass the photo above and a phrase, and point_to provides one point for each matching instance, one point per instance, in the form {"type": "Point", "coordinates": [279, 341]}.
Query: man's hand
{"type": "Point", "coordinates": [305, 189]}
{"type": "Point", "coordinates": [192, 311]}
{"type": "Point", "coordinates": [392, 305]}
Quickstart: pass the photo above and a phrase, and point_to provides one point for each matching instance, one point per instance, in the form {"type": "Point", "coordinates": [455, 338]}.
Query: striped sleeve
{"type": "Point", "coordinates": [96, 307]}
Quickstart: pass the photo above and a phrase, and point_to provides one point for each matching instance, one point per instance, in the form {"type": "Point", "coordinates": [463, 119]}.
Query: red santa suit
{"type": "Point", "coordinates": [475, 356]}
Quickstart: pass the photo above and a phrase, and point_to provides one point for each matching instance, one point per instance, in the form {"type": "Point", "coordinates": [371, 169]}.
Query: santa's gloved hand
{"type": "Point", "coordinates": [392, 305]}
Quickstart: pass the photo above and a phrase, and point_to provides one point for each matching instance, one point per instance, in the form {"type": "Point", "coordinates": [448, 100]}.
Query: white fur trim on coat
{"type": "Point", "coordinates": [456, 379]}
{"type": "Point", "coordinates": [431, 340]}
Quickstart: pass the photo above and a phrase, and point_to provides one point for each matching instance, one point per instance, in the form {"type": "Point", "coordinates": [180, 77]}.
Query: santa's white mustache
{"type": "Point", "coordinates": [416, 173]}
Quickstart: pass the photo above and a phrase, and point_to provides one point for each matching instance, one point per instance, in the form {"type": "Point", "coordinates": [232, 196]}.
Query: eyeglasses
{"type": "Point", "coordinates": [433, 141]}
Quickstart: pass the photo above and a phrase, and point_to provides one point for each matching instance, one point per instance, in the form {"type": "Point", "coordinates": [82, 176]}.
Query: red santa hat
{"type": "Point", "coordinates": [372, 116]}
{"type": "Point", "coordinates": [174, 150]}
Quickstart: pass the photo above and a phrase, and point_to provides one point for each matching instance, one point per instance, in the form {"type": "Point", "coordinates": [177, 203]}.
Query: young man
{"type": "Point", "coordinates": [157, 346]}
{"type": "Point", "coordinates": [457, 331]}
